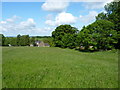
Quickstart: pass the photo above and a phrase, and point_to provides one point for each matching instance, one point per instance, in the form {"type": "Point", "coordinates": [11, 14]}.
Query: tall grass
{"type": "Point", "coordinates": [50, 67]}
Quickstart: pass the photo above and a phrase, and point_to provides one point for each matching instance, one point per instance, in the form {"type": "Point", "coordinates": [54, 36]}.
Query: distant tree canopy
{"type": "Point", "coordinates": [2, 39]}
{"type": "Point", "coordinates": [23, 40]}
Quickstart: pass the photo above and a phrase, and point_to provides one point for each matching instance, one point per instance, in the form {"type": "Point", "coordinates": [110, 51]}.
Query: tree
{"type": "Point", "coordinates": [13, 41]}
{"type": "Point", "coordinates": [68, 40]}
{"type": "Point", "coordinates": [85, 39]}
{"type": "Point", "coordinates": [113, 15]}
{"type": "Point", "coordinates": [27, 39]}
{"type": "Point", "coordinates": [24, 40]}
{"type": "Point", "coordinates": [63, 36]}
{"type": "Point", "coordinates": [32, 40]}
{"type": "Point", "coordinates": [2, 39]}
{"type": "Point", "coordinates": [102, 16]}
{"type": "Point", "coordinates": [100, 35]}
{"type": "Point", "coordinates": [18, 39]}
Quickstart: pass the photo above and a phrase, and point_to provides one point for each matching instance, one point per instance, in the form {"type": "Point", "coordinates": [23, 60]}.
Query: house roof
{"type": "Point", "coordinates": [46, 44]}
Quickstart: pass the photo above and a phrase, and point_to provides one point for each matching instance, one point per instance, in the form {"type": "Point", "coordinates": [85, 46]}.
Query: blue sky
{"type": "Point", "coordinates": [41, 18]}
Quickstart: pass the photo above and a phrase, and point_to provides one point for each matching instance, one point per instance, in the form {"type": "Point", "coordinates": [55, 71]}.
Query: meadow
{"type": "Point", "coordinates": [52, 67]}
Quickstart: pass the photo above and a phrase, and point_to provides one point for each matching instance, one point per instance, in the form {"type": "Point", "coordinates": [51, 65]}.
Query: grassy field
{"type": "Point", "coordinates": [50, 67]}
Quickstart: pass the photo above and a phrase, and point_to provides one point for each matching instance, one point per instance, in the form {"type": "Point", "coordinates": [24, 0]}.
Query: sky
{"type": "Point", "coordinates": [41, 18]}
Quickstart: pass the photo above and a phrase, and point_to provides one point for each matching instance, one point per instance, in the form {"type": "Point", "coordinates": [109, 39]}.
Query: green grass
{"type": "Point", "coordinates": [50, 67]}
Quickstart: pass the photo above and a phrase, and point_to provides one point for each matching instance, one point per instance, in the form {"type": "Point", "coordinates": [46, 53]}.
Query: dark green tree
{"type": "Point", "coordinates": [18, 39]}
{"type": "Point", "coordinates": [32, 40]}
{"type": "Point", "coordinates": [100, 35]}
{"type": "Point", "coordinates": [68, 40]}
{"type": "Point", "coordinates": [24, 40]}
{"type": "Point", "coordinates": [113, 15]}
{"type": "Point", "coordinates": [63, 36]}
{"type": "Point", "coordinates": [27, 39]}
{"type": "Point", "coordinates": [102, 16]}
{"type": "Point", "coordinates": [13, 41]}
{"type": "Point", "coordinates": [2, 39]}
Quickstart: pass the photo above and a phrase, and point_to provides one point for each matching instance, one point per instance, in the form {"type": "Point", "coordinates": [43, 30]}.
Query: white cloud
{"type": "Point", "coordinates": [13, 19]}
{"type": "Point", "coordinates": [52, 5]}
{"type": "Point", "coordinates": [65, 18]}
{"type": "Point", "coordinates": [10, 27]}
{"type": "Point", "coordinates": [87, 19]}
{"type": "Point", "coordinates": [50, 22]}
{"type": "Point", "coordinates": [49, 17]}
{"type": "Point", "coordinates": [92, 0]}
{"type": "Point", "coordinates": [29, 23]}
{"type": "Point", "coordinates": [106, 1]}
{"type": "Point", "coordinates": [62, 18]}
{"type": "Point", "coordinates": [3, 22]}
{"type": "Point", "coordinates": [95, 4]}
{"type": "Point", "coordinates": [54, 0]}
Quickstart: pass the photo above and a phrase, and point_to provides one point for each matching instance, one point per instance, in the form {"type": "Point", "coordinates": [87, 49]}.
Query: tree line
{"type": "Point", "coordinates": [20, 40]}
{"type": "Point", "coordinates": [103, 34]}
{"type": "Point", "coordinates": [24, 40]}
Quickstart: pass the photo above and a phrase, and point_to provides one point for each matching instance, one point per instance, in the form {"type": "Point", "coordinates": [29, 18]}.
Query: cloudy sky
{"type": "Point", "coordinates": [41, 18]}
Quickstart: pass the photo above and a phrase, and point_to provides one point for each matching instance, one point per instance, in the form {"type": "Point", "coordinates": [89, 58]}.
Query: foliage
{"type": "Point", "coordinates": [18, 40]}
{"type": "Point", "coordinates": [32, 40]}
{"type": "Point", "coordinates": [64, 36]}
{"type": "Point", "coordinates": [23, 40]}
{"type": "Point", "coordinates": [10, 40]}
{"type": "Point", "coordinates": [2, 39]}
{"type": "Point", "coordinates": [102, 16]}
{"type": "Point", "coordinates": [99, 34]}
{"type": "Point", "coordinates": [41, 36]}
{"type": "Point", "coordinates": [49, 40]}
{"type": "Point", "coordinates": [113, 15]}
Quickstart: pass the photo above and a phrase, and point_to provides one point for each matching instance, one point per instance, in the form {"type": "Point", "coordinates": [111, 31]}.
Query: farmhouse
{"type": "Point", "coordinates": [41, 44]}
